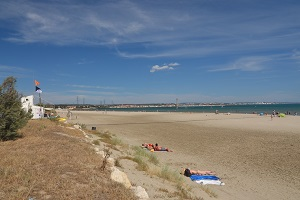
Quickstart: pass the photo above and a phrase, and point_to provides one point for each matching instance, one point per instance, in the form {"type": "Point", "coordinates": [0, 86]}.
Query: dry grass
{"type": "Point", "coordinates": [53, 162]}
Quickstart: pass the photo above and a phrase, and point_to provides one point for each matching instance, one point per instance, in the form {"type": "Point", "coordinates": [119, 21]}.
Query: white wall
{"type": "Point", "coordinates": [37, 111]}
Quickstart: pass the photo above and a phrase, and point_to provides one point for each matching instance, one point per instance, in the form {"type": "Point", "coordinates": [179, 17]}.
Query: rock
{"type": "Point", "coordinates": [111, 162]}
{"type": "Point", "coordinates": [140, 192]}
{"type": "Point", "coordinates": [77, 126]}
{"type": "Point", "coordinates": [120, 177]}
{"type": "Point", "coordinates": [97, 149]}
{"type": "Point", "coordinates": [101, 153]}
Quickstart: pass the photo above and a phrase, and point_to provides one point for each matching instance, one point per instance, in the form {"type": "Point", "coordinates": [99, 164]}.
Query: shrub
{"type": "Point", "coordinates": [12, 116]}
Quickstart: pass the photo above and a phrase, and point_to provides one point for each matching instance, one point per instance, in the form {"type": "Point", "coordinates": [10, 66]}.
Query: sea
{"type": "Point", "coordinates": [289, 109]}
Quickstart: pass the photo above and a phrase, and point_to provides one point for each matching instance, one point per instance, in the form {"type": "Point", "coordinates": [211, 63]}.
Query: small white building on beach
{"type": "Point", "coordinates": [27, 104]}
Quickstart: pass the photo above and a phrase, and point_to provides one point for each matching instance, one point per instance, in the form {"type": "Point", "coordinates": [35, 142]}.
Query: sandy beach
{"type": "Point", "coordinates": [257, 157]}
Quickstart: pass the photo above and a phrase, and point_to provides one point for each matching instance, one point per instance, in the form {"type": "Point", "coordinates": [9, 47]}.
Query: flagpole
{"type": "Point", "coordinates": [37, 89]}
{"type": "Point", "coordinates": [40, 100]}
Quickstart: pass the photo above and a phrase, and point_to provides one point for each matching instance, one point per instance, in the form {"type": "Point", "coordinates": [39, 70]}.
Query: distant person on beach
{"type": "Point", "coordinates": [188, 172]}
{"type": "Point", "coordinates": [148, 146]}
{"type": "Point", "coordinates": [160, 148]}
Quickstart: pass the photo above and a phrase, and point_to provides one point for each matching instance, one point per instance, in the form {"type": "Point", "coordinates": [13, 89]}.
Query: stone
{"type": "Point", "coordinates": [140, 192]}
{"type": "Point", "coordinates": [101, 153]}
{"type": "Point", "coordinates": [111, 162]}
{"type": "Point", "coordinates": [77, 126]}
{"type": "Point", "coordinates": [120, 177]}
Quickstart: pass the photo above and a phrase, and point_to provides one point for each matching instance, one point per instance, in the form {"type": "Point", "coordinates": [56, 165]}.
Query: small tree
{"type": "Point", "coordinates": [12, 116]}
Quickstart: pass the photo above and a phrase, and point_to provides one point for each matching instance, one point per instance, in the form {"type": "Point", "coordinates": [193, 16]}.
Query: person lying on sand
{"type": "Point", "coordinates": [188, 172]}
{"type": "Point", "coordinates": [148, 146]}
{"type": "Point", "coordinates": [160, 148]}
{"type": "Point", "coordinates": [152, 147]}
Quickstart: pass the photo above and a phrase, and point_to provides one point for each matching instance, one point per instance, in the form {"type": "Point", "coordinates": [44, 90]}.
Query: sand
{"type": "Point", "coordinates": [257, 157]}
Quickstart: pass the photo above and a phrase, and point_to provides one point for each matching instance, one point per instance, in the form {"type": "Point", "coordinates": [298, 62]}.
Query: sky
{"type": "Point", "coordinates": [145, 51]}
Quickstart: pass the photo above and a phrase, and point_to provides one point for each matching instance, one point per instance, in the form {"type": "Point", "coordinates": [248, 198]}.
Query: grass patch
{"type": "Point", "coordinates": [151, 157]}
{"type": "Point", "coordinates": [163, 190]}
{"type": "Point", "coordinates": [108, 138]}
{"type": "Point", "coordinates": [96, 142]}
{"type": "Point", "coordinates": [116, 141]}
{"type": "Point", "coordinates": [117, 163]}
{"type": "Point", "coordinates": [170, 175]}
{"type": "Point", "coordinates": [142, 165]}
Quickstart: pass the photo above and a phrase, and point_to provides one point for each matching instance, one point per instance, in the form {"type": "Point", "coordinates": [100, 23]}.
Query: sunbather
{"type": "Point", "coordinates": [160, 148]}
{"type": "Point", "coordinates": [188, 172]}
{"type": "Point", "coordinates": [148, 146]}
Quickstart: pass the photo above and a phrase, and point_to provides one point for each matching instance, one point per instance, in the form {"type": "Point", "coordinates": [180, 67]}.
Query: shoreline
{"type": "Point", "coordinates": [256, 156]}
{"type": "Point", "coordinates": [288, 109]}
{"type": "Point", "coordinates": [196, 112]}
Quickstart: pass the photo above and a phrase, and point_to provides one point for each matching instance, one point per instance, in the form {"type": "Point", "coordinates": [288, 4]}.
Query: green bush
{"type": "Point", "coordinates": [12, 116]}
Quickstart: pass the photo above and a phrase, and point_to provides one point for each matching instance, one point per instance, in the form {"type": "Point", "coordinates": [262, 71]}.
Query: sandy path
{"type": "Point", "coordinates": [257, 158]}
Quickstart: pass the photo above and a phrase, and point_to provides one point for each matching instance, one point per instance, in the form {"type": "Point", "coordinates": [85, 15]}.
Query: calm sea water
{"type": "Point", "coordinates": [259, 108]}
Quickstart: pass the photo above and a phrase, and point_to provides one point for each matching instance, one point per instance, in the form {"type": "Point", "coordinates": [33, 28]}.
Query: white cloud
{"type": "Point", "coordinates": [5, 68]}
{"type": "Point", "coordinates": [173, 64]}
{"type": "Point", "coordinates": [93, 87]}
{"type": "Point", "coordinates": [84, 62]}
{"type": "Point", "coordinates": [92, 93]}
{"type": "Point", "coordinates": [255, 63]}
{"type": "Point", "coordinates": [181, 31]}
{"type": "Point", "coordinates": [296, 56]}
{"type": "Point", "coordinates": [245, 64]}
{"type": "Point", "coordinates": [163, 68]}
{"type": "Point", "coordinates": [6, 71]}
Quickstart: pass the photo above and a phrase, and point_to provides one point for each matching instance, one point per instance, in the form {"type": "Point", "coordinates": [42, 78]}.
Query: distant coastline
{"type": "Point", "coordinates": [287, 108]}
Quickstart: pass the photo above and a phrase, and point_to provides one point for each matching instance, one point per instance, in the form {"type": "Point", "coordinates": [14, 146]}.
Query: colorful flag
{"type": "Point", "coordinates": [36, 82]}
{"type": "Point", "coordinates": [38, 90]}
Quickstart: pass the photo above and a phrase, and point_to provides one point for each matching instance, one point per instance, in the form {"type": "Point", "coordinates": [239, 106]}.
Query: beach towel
{"type": "Point", "coordinates": [203, 177]}
{"type": "Point", "coordinates": [206, 179]}
{"type": "Point", "coordinates": [212, 182]}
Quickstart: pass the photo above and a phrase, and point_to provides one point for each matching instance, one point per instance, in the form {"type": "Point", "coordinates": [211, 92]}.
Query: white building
{"type": "Point", "coordinates": [27, 104]}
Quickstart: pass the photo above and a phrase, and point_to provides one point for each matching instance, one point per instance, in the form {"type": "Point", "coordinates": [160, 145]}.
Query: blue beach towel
{"type": "Point", "coordinates": [203, 177]}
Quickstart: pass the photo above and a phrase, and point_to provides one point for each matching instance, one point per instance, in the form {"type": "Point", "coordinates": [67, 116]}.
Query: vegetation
{"type": "Point", "coordinates": [148, 162]}
{"type": "Point", "coordinates": [53, 162]}
{"type": "Point", "coordinates": [12, 116]}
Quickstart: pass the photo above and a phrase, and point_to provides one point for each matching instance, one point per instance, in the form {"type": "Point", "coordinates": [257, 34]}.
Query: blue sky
{"type": "Point", "coordinates": [148, 51]}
